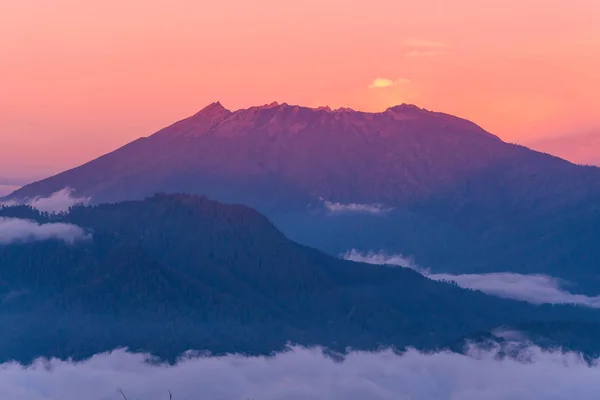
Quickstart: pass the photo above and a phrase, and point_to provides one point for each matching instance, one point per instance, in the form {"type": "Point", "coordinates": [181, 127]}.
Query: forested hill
{"type": "Point", "coordinates": [178, 272]}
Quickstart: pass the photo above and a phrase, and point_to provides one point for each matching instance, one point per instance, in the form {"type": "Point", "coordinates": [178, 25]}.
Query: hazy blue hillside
{"type": "Point", "coordinates": [179, 272]}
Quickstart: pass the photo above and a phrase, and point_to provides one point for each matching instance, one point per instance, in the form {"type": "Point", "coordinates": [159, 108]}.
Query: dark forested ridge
{"type": "Point", "coordinates": [461, 200]}
{"type": "Point", "coordinates": [178, 272]}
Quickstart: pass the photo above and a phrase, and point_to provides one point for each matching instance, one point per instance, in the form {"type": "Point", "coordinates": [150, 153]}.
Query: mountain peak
{"type": "Point", "coordinates": [344, 109]}
{"type": "Point", "coordinates": [404, 108]}
{"type": "Point", "coordinates": [198, 124]}
{"type": "Point", "coordinates": [273, 104]}
{"type": "Point", "coordinates": [212, 110]}
{"type": "Point", "coordinates": [277, 142]}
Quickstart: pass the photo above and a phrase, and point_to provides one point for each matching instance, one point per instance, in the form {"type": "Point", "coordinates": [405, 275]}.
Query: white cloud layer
{"type": "Point", "coordinates": [57, 202]}
{"type": "Point", "coordinates": [15, 230]}
{"type": "Point", "coordinates": [373, 208]}
{"type": "Point", "coordinates": [305, 374]}
{"type": "Point", "coordinates": [536, 289]}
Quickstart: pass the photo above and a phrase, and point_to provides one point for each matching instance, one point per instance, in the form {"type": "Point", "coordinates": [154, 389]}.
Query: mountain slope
{"type": "Point", "coordinates": [177, 272]}
{"type": "Point", "coordinates": [460, 199]}
{"type": "Point", "coordinates": [403, 154]}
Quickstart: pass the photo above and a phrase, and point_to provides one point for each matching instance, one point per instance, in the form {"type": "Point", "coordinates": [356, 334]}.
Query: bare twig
{"type": "Point", "coordinates": [122, 393]}
{"type": "Point", "coordinates": [125, 397]}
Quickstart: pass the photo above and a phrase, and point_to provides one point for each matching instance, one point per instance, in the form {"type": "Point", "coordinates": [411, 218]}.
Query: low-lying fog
{"type": "Point", "coordinates": [303, 374]}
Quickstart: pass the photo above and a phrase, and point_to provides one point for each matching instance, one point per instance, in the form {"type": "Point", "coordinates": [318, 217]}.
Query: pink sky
{"type": "Point", "coordinates": [80, 78]}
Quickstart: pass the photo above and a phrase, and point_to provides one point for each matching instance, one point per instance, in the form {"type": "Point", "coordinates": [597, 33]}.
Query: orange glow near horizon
{"type": "Point", "coordinates": [78, 79]}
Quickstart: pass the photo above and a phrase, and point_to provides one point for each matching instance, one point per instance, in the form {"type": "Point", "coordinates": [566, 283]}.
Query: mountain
{"type": "Point", "coordinates": [408, 180]}
{"type": "Point", "coordinates": [393, 157]}
{"type": "Point", "coordinates": [174, 273]}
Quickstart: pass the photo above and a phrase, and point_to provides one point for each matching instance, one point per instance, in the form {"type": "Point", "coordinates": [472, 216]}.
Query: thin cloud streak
{"type": "Point", "coordinates": [424, 53]}
{"type": "Point", "coordinates": [306, 374]}
{"type": "Point", "coordinates": [15, 230]}
{"type": "Point", "coordinates": [536, 289]}
{"type": "Point", "coordinates": [373, 208]}
{"type": "Point", "coordinates": [423, 43]}
{"type": "Point", "coordinates": [57, 202]}
{"type": "Point", "coordinates": [418, 48]}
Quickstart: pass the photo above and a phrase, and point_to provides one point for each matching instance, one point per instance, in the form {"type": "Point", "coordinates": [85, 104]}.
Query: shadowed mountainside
{"type": "Point", "coordinates": [178, 272]}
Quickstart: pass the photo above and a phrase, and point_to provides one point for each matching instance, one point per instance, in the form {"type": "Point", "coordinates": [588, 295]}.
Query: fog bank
{"type": "Point", "coordinates": [536, 289]}
{"type": "Point", "coordinates": [305, 374]}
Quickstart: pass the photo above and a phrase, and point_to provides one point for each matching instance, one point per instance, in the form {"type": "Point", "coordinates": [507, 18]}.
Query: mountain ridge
{"type": "Point", "coordinates": [361, 126]}
{"type": "Point", "coordinates": [458, 197]}
{"type": "Point", "coordinates": [219, 114]}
